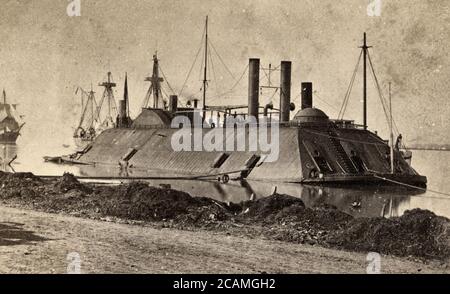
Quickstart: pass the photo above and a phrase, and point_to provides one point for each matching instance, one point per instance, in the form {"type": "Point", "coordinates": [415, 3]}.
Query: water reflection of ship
{"type": "Point", "coordinates": [10, 122]}
{"type": "Point", "coordinates": [91, 123]}
{"type": "Point", "coordinates": [8, 154]}
{"type": "Point", "coordinates": [359, 201]}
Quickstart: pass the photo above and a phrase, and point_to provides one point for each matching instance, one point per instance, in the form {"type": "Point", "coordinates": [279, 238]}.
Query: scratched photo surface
{"type": "Point", "coordinates": [49, 49]}
{"type": "Point", "coordinates": [46, 54]}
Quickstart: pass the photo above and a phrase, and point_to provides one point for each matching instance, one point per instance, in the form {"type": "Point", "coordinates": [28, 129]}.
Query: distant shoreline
{"type": "Point", "coordinates": [429, 148]}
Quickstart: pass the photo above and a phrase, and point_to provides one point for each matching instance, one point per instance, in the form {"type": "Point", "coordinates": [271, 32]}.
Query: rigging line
{"type": "Point", "coordinates": [216, 84]}
{"type": "Point", "coordinates": [324, 101]}
{"type": "Point", "coordinates": [273, 95]}
{"type": "Point", "coordinates": [235, 85]}
{"type": "Point", "coordinates": [202, 68]}
{"type": "Point", "coordinates": [261, 77]}
{"type": "Point", "coordinates": [344, 139]}
{"type": "Point", "coordinates": [167, 81]}
{"type": "Point", "coordinates": [164, 93]}
{"type": "Point", "coordinates": [382, 99]}
{"type": "Point", "coordinates": [349, 94]}
{"type": "Point", "coordinates": [147, 97]}
{"type": "Point", "coordinates": [168, 84]}
{"type": "Point", "coordinates": [114, 104]}
{"type": "Point", "coordinates": [377, 86]}
{"type": "Point", "coordinates": [349, 89]}
{"type": "Point", "coordinates": [384, 102]}
{"type": "Point", "coordinates": [193, 64]}
{"type": "Point", "coordinates": [347, 98]}
{"type": "Point", "coordinates": [214, 72]}
{"type": "Point", "coordinates": [193, 95]}
{"type": "Point", "coordinates": [99, 108]}
{"type": "Point", "coordinates": [393, 120]}
{"type": "Point", "coordinates": [221, 60]}
{"type": "Point", "coordinates": [265, 73]}
{"type": "Point", "coordinates": [83, 115]}
{"type": "Point", "coordinates": [97, 118]}
{"type": "Point", "coordinates": [411, 186]}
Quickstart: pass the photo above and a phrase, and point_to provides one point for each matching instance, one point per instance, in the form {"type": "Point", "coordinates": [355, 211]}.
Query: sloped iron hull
{"type": "Point", "coordinates": [301, 149]}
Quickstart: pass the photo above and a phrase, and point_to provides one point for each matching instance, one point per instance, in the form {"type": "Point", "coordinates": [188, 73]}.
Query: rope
{"type": "Point", "coordinates": [221, 60]}
{"type": "Point", "coordinates": [147, 97]}
{"type": "Point", "coordinates": [324, 101]}
{"type": "Point", "coordinates": [167, 81]}
{"type": "Point", "coordinates": [382, 99]}
{"type": "Point", "coordinates": [198, 177]}
{"type": "Point", "coordinates": [271, 97]}
{"type": "Point", "coordinates": [202, 67]}
{"type": "Point", "coordinates": [234, 86]}
{"type": "Point", "coordinates": [164, 93]}
{"type": "Point", "coordinates": [349, 89]}
{"type": "Point", "coordinates": [377, 85]}
{"type": "Point", "coordinates": [265, 73]}
{"type": "Point", "coordinates": [193, 64]}
{"type": "Point", "coordinates": [214, 73]}
{"type": "Point", "coordinates": [411, 186]}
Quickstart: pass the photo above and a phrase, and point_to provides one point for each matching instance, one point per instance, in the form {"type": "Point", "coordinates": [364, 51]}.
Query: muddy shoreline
{"type": "Point", "coordinates": [418, 234]}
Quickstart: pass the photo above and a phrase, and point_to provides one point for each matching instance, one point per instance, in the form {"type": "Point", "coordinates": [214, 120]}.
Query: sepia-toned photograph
{"type": "Point", "coordinates": [253, 137]}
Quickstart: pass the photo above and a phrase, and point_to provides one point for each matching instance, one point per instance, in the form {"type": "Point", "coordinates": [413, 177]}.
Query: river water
{"type": "Point", "coordinates": [359, 201]}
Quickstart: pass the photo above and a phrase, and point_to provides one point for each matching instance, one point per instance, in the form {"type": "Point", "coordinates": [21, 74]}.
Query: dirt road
{"type": "Point", "coordinates": [34, 242]}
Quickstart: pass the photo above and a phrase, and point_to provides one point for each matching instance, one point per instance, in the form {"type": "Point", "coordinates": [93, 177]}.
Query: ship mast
{"type": "Point", "coordinates": [205, 81]}
{"type": "Point", "coordinates": [365, 52]}
{"type": "Point", "coordinates": [155, 85]}
{"type": "Point", "coordinates": [390, 129]}
{"type": "Point", "coordinates": [109, 95]}
{"type": "Point", "coordinates": [91, 99]}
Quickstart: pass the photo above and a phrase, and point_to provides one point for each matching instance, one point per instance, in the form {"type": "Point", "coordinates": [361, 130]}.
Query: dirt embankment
{"type": "Point", "coordinates": [417, 233]}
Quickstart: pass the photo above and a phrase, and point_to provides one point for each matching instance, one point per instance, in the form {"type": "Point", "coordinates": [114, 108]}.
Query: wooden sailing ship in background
{"type": "Point", "coordinates": [10, 122]}
{"type": "Point", "coordinates": [91, 123]}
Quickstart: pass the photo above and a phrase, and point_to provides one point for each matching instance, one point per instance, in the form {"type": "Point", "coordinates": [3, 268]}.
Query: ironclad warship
{"type": "Point", "coordinates": [313, 149]}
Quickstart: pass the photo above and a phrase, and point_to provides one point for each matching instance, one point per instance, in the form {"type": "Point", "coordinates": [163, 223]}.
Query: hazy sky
{"type": "Point", "coordinates": [45, 54]}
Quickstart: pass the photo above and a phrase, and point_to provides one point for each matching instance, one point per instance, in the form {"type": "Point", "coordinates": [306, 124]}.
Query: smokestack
{"type": "Point", "coordinates": [285, 91]}
{"type": "Point", "coordinates": [173, 103]}
{"type": "Point", "coordinates": [307, 99]}
{"type": "Point", "coordinates": [195, 103]}
{"type": "Point", "coordinates": [122, 109]}
{"type": "Point", "coordinates": [125, 97]}
{"type": "Point", "coordinates": [253, 87]}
